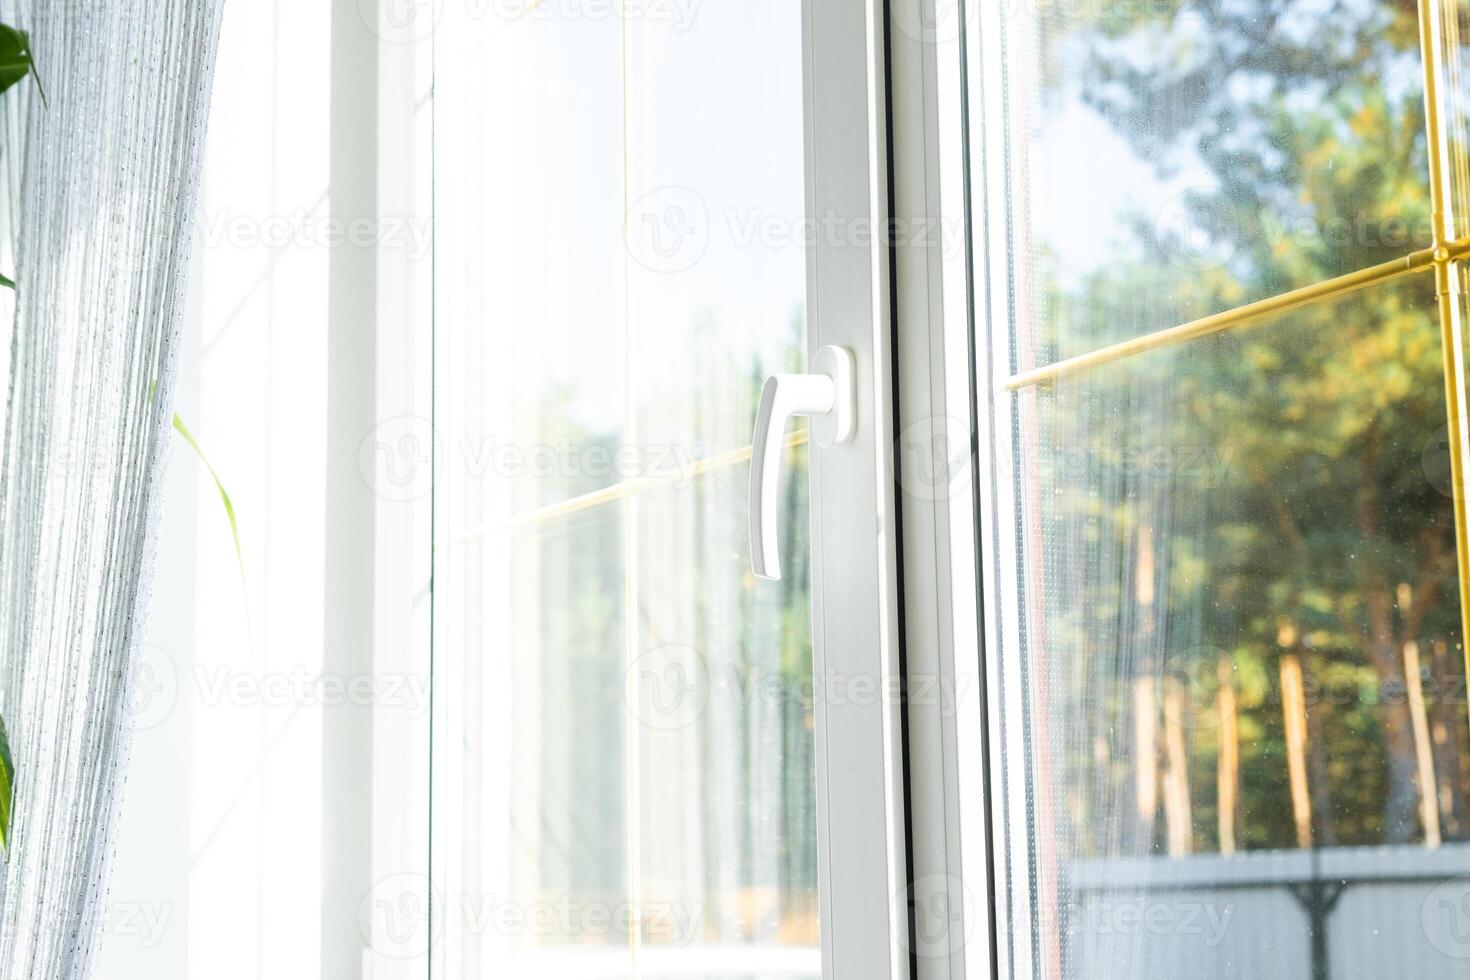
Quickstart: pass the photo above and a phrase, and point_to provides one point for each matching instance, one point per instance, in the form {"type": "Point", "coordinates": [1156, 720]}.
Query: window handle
{"type": "Point", "coordinates": [826, 395]}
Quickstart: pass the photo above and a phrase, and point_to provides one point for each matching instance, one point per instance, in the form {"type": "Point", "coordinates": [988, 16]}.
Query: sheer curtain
{"type": "Point", "coordinates": [108, 170]}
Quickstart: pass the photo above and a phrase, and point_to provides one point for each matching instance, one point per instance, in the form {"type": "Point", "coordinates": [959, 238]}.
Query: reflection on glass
{"type": "Point", "coordinates": [1455, 85]}
{"type": "Point", "coordinates": [724, 697]}
{"type": "Point", "coordinates": [528, 239]}
{"type": "Point", "coordinates": [1181, 158]}
{"type": "Point", "coordinates": [546, 728]}
{"type": "Point", "coordinates": [716, 218]}
{"type": "Point", "coordinates": [1244, 678]}
{"type": "Point", "coordinates": [612, 286]}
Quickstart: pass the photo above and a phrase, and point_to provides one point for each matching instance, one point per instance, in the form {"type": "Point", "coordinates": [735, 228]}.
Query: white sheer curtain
{"type": "Point", "coordinates": [108, 175]}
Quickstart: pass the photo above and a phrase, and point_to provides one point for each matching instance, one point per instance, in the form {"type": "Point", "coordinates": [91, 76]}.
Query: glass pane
{"type": "Point", "coordinates": [725, 701]}
{"type": "Point", "coordinates": [614, 282]}
{"type": "Point", "coordinates": [1246, 744]}
{"type": "Point", "coordinates": [1232, 151]}
{"type": "Point", "coordinates": [1455, 84]}
{"type": "Point", "coordinates": [544, 770]}
{"type": "Point", "coordinates": [716, 219]}
{"type": "Point", "coordinates": [529, 255]}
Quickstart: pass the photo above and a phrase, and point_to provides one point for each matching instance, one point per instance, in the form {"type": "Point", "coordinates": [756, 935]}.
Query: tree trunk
{"type": "Point", "coordinates": [1401, 803]}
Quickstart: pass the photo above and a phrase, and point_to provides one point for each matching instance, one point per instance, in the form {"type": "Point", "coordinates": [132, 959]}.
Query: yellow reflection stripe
{"type": "Point", "coordinates": [1241, 316]}
{"type": "Point", "coordinates": [621, 490]}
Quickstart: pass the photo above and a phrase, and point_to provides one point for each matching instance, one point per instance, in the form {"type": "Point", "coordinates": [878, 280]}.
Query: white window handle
{"type": "Point", "coordinates": [826, 395]}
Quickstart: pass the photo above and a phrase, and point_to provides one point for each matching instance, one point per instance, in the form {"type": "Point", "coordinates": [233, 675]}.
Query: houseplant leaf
{"type": "Point", "coordinates": [224, 495]}
{"type": "Point", "coordinates": [15, 56]}
{"type": "Point", "coordinates": [7, 785]}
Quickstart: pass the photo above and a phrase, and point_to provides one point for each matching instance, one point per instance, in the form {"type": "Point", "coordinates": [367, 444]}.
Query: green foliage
{"type": "Point", "coordinates": [7, 785]}
{"type": "Point", "coordinates": [16, 60]}
{"type": "Point", "coordinates": [1326, 536]}
{"type": "Point", "coordinates": [219, 486]}
{"type": "Point", "coordinates": [15, 63]}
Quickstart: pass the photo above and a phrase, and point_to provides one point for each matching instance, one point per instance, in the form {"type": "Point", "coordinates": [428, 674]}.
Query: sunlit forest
{"type": "Point", "coordinates": [1247, 626]}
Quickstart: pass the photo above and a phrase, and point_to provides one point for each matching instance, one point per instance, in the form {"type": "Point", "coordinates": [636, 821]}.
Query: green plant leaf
{"type": "Point", "coordinates": [6, 281]}
{"type": "Point", "coordinates": [224, 495]}
{"type": "Point", "coordinates": [15, 57]}
{"type": "Point", "coordinates": [7, 785]}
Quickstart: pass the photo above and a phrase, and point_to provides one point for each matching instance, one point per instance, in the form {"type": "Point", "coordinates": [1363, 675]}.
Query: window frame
{"type": "Point", "coordinates": [963, 547]}
{"type": "Point", "coordinates": [856, 612]}
{"type": "Point", "coordinates": [861, 784]}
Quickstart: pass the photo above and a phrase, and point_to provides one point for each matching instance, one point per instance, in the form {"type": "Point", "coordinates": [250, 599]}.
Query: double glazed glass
{"type": "Point", "coordinates": [1232, 735]}
{"type": "Point", "coordinates": [625, 766]}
